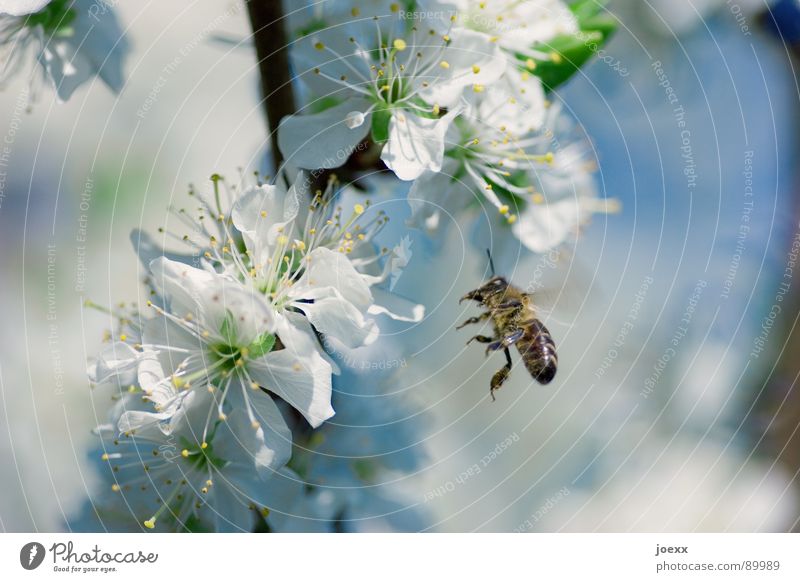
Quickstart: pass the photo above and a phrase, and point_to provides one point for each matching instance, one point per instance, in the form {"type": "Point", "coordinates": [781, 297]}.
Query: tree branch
{"type": "Point", "coordinates": [271, 44]}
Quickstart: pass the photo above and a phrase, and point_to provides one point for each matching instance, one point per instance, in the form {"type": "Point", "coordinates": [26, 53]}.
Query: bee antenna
{"type": "Point", "coordinates": [491, 262]}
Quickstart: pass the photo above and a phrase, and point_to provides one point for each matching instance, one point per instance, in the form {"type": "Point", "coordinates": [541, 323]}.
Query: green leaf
{"type": "Point", "coordinates": [573, 51]}
{"type": "Point", "coordinates": [380, 125]}
{"type": "Point", "coordinates": [263, 345]}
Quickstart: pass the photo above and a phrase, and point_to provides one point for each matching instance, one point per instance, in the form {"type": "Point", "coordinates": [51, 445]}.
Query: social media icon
{"type": "Point", "coordinates": [31, 555]}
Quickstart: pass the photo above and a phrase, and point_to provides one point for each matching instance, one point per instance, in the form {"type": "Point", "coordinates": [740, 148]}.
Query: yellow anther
{"type": "Point", "coordinates": [222, 416]}
{"type": "Point", "coordinates": [444, 65]}
{"type": "Point", "coordinates": [478, 88]}
{"type": "Point", "coordinates": [104, 457]}
{"type": "Point", "coordinates": [185, 453]}
{"type": "Point", "coordinates": [394, 7]}
{"type": "Point", "coordinates": [264, 512]}
{"type": "Point", "coordinates": [399, 44]}
{"type": "Point", "coordinates": [300, 245]}
{"type": "Point", "coordinates": [282, 240]}
{"type": "Point", "coordinates": [319, 46]}
{"type": "Point", "coordinates": [359, 209]}
{"type": "Point", "coordinates": [531, 64]}
{"type": "Point", "coordinates": [355, 11]}
{"type": "Point", "coordinates": [254, 386]}
{"type": "Point", "coordinates": [556, 58]}
{"type": "Point", "coordinates": [263, 214]}
{"type": "Point", "coordinates": [204, 445]}
{"type": "Point", "coordinates": [123, 337]}
{"type": "Point", "coordinates": [476, 69]}
{"type": "Point", "coordinates": [503, 209]}
{"type": "Point", "coordinates": [512, 219]}
{"type": "Point", "coordinates": [115, 487]}
{"type": "Point", "coordinates": [537, 198]}
{"type": "Point", "coordinates": [150, 523]}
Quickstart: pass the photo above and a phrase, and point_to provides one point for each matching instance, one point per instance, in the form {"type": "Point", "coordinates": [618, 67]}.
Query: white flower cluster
{"type": "Point", "coordinates": [198, 436]}
{"type": "Point", "coordinates": [448, 92]}
{"type": "Point", "coordinates": [74, 41]}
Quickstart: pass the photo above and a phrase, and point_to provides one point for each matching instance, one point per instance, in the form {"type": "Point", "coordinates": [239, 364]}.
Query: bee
{"type": "Point", "coordinates": [515, 324]}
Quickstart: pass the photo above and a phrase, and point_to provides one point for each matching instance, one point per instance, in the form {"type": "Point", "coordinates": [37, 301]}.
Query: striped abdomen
{"type": "Point", "coordinates": [538, 351]}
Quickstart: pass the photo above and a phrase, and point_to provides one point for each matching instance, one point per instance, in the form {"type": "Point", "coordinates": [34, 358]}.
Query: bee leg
{"type": "Point", "coordinates": [509, 340]}
{"type": "Point", "coordinates": [481, 339]}
{"type": "Point", "coordinates": [477, 319]}
{"type": "Point", "coordinates": [501, 375]}
{"type": "Point", "coordinates": [474, 295]}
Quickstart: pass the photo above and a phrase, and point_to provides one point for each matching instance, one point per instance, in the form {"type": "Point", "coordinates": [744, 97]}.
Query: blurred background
{"type": "Point", "coordinates": [675, 407]}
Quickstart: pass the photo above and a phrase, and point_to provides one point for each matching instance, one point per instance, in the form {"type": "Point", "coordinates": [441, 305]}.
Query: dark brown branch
{"type": "Point", "coordinates": [271, 44]}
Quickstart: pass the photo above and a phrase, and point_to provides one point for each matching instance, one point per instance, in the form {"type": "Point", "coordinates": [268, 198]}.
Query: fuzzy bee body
{"type": "Point", "coordinates": [515, 324]}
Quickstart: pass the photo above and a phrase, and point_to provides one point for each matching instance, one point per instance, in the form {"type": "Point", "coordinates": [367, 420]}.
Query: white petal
{"type": "Point", "coordinates": [298, 374]}
{"type": "Point", "coordinates": [467, 49]}
{"type": "Point", "coordinates": [267, 447]}
{"type": "Point", "coordinates": [96, 47]}
{"type": "Point", "coordinates": [22, 7]}
{"type": "Point", "coordinates": [326, 268]}
{"type": "Point", "coordinates": [415, 144]}
{"type": "Point", "coordinates": [396, 307]}
{"type": "Point", "coordinates": [261, 214]}
{"type": "Point", "coordinates": [322, 140]}
{"type": "Point", "coordinates": [117, 360]}
{"type": "Point", "coordinates": [336, 317]}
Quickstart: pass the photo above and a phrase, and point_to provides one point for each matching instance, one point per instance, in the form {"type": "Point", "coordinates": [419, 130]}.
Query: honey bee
{"type": "Point", "coordinates": [515, 324]}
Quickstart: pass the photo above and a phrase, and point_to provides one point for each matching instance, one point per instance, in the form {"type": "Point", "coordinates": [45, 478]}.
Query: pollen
{"type": "Point", "coordinates": [359, 209]}
{"type": "Point", "coordinates": [123, 337]}
{"type": "Point", "coordinates": [399, 44]}
{"type": "Point", "coordinates": [263, 214]}
{"type": "Point", "coordinates": [476, 69]}
{"type": "Point", "coordinates": [436, 109]}
{"type": "Point", "coordinates": [478, 88]}
{"type": "Point", "coordinates": [444, 65]}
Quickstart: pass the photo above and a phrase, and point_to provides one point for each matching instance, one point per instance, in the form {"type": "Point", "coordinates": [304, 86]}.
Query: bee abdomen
{"type": "Point", "coordinates": [538, 351]}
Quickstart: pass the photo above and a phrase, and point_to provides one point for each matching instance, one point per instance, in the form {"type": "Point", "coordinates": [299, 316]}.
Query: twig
{"type": "Point", "coordinates": [271, 44]}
